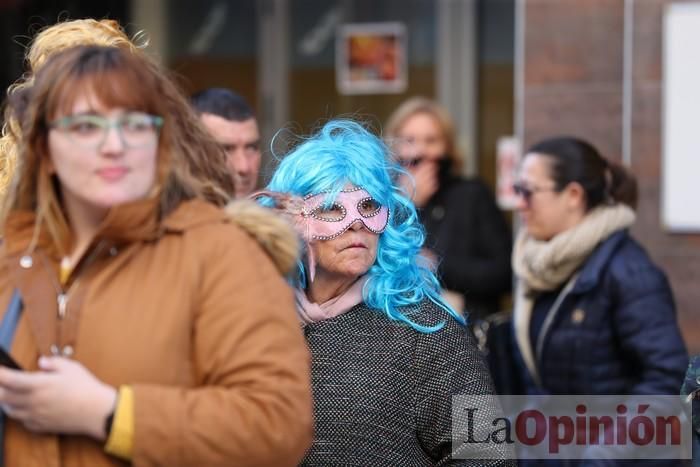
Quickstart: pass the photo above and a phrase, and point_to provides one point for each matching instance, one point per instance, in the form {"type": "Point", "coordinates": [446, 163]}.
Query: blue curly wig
{"type": "Point", "coordinates": [342, 152]}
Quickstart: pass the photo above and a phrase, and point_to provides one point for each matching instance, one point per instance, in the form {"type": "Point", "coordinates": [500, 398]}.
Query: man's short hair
{"type": "Point", "coordinates": [223, 103]}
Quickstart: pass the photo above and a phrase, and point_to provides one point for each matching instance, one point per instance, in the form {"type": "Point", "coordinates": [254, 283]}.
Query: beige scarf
{"type": "Point", "coordinates": [546, 265]}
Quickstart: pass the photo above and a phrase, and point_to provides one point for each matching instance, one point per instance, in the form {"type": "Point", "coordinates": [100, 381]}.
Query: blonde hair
{"type": "Point", "coordinates": [47, 42]}
{"type": "Point", "coordinates": [417, 105]}
{"type": "Point", "coordinates": [60, 36]}
{"type": "Point", "coordinates": [207, 161]}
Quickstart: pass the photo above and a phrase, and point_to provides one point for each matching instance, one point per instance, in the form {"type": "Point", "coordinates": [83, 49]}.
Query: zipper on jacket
{"type": "Point", "coordinates": [62, 300]}
{"type": "Point", "coordinates": [64, 295]}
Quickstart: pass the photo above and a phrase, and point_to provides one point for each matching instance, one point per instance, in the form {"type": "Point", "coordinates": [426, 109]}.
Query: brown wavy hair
{"type": "Point", "coordinates": [417, 105]}
{"type": "Point", "coordinates": [116, 78]}
{"type": "Point", "coordinates": [207, 160]}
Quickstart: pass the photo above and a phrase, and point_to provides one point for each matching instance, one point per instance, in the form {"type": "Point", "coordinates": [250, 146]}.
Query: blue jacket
{"type": "Point", "coordinates": [614, 333]}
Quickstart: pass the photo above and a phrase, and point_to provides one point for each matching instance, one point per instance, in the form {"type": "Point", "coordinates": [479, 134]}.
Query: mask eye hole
{"type": "Point", "coordinates": [333, 213]}
{"type": "Point", "coordinates": [368, 207]}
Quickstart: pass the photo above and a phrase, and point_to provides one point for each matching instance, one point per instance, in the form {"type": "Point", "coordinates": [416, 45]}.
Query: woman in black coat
{"type": "Point", "coordinates": [593, 314]}
{"type": "Point", "coordinates": [467, 234]}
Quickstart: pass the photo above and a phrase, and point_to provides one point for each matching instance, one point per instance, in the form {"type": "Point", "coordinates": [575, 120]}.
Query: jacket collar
{"type": "Point", "coordinates": [591, 272]}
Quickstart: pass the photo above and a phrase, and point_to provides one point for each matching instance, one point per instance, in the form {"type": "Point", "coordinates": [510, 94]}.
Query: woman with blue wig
{"type": "Point", "coordinates": [388, 354]}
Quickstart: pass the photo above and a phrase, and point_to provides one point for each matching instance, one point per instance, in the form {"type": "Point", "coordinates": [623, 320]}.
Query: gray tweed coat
{"type": "Point", "coordinates": [383, 391]}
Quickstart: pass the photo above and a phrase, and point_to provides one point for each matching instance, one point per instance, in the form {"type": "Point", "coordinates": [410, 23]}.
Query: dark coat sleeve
{"type": "Point", "coordinates": [485, 270]}
{"type": "Point", "coordinates": [648, 334]}
{"type": "Point", "coordinates": [447, 363]}
{"type": "Point", "coordinates": [646, 326]}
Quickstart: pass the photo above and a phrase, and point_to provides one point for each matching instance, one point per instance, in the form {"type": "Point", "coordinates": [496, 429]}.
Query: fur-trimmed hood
{"type": "Point", "coordinates": [274, 234]}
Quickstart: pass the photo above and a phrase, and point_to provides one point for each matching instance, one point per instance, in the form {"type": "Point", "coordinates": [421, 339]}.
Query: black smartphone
{"type": "Point", "coordinates": [6, 360]}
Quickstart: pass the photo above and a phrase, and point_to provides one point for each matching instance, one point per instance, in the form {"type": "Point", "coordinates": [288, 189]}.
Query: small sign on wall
{"type": "Point", "coordinates": [507, 160]}
{"type": "Point", "coordinates": [371, 58]}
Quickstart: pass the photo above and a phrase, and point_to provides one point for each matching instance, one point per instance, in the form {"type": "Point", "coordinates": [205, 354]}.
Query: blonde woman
{"type": "Point", "coordinates": [467, 235]}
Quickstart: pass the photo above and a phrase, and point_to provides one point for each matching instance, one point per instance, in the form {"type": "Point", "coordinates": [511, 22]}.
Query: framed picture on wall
{"type": "Point", "coordinates": [371, 58]}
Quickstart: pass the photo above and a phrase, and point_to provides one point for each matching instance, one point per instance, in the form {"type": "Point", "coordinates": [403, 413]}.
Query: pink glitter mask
{"type": "Point", "coordinates": [314, 221]}
{"type": "Point", "coordinates": [351, 205]}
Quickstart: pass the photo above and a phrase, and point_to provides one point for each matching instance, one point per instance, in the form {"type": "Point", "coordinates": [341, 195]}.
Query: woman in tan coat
{"type": "Point", "coordinates": [152, 329]}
